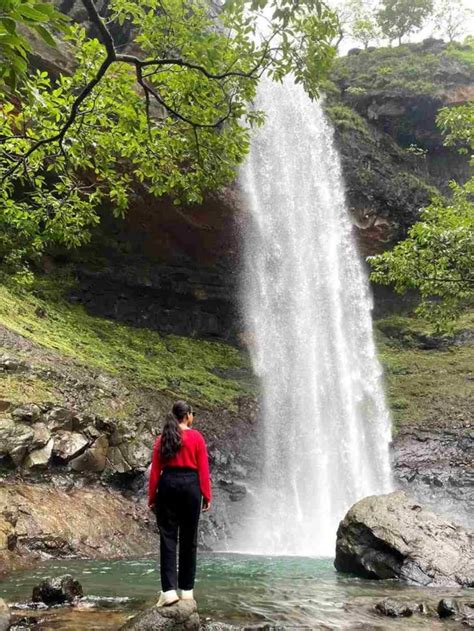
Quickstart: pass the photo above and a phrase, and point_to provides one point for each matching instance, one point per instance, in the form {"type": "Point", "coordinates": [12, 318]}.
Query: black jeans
{"type": "Point", "coordinates": [178, 505]}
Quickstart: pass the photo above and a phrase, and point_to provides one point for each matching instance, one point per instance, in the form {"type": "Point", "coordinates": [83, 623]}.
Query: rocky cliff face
{"type": "Point", "coordinates": [384, 103]}
{"type": "Point", "coordinates": [175, 269]}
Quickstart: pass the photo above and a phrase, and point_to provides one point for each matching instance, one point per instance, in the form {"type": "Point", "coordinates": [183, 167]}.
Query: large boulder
{"type": "Point", "coordinates": [183, 616]}
{"type": "Point", "coordinates": [68, 445]}
{"type": "Point", "coordinates": [94, 458]}
{"type": "Point", "coordinates": [39, 458]}
{"type": "Point", "coordinates": [41, 436]}
{"type": "Point", "coordinates": [129, 456]}
{"type": "Point", "coordinates": [60, 418]}
{"type": "Point", "coordinates": [391, 536]}
{"type": "Point", "coordinates": [15, 439]}
{"type": "Point", "coordinates": [28, 413]}
{"type": "Point", "coordinates": [56, 591]}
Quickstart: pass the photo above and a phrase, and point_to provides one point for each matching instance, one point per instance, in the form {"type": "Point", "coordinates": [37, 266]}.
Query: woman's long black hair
{"type": "Point", "coordinates": [171, 440]}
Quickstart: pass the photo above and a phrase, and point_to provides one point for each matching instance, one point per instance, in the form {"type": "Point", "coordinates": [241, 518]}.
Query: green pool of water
{"type": "Point", "coordinates": [238, 589]}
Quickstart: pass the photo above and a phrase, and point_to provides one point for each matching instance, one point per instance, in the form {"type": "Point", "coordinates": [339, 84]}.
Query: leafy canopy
{"type": "Point", "coordinates": [398, 18]}
{"type": "Point", "coordinates": [168, 114]}
{"type": "Point", "coordinates": [16, 17]}
{"type": "Point", "coordinates": [362, 24]}
{"type": "Point", "coordinates": [437, 258]}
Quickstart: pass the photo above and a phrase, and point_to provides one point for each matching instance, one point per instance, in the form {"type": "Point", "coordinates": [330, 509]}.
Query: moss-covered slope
{"type": "Point", "coordinates": [428, 379]}
{"type": "Point", "coordinates": [383, 103]}
{"type": "Point", "coordinates": [212, 373]}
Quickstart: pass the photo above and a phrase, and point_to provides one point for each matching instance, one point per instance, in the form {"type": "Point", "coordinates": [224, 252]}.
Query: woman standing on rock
{"type": "Point", "coordinates": [179, 483]}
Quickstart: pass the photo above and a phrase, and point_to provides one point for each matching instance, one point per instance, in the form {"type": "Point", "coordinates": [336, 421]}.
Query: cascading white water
{"type": "Point", "coordinates": [307, 307]}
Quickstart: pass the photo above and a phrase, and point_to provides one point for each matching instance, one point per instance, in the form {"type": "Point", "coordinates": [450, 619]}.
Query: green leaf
{"type": "Point", "coordinates": [45, 35]}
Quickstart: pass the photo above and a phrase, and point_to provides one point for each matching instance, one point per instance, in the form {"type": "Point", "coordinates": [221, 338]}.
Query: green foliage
{"type": "Point", "coordinates": [416, 150]}
{"type": "Point", "coordinates": [180, 366]}
{"type": "Point", "coordinates": [365, 30]}
{"type": "Point", "coordinates": [357, 19]}
{"type": "Point", "coordinates": [24, 388]}
{"type": "Point", "coordinates": [406, 69]}
{"type": "Point", "coordinates": [345, 118]}
{"type": "Point", "coordinates": [425, 387]}
{"type": "Point", "coordinates": [464, 52]}
{"type": "Point", "coordinates": [398, 18]}
{"type": "Point", "coordinates": [457, 125]}
{"type": "Point", "coordinates": [173, 120]}
{"type": "Point", "coordinates": [437, 258]}
{"type": "Point", "coordinates": [16, 16]}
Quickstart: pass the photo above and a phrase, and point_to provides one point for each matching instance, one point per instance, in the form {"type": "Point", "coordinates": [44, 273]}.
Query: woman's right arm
{"type": "Point", "coordinates": [155, 472]}
{"type": "Point", "coordinates": [204, 477]}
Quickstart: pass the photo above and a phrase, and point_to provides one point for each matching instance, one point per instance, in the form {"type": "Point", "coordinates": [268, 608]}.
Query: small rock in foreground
{"type": "Point", "coordinates": [5, 616]}
{"type": "Point", "coordinates": [394, 609]}
{"type": "Point", "coordinates": [391, 536]}
{"type": "Point", "coordinates": [57, 591]}
{"type": "Point", "coordinates": [181, 616]}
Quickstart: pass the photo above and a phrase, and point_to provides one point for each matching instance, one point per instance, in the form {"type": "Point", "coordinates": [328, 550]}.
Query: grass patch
{"type": "Point", "coordinates": [409, 69]}
{"type": "Point", "coordinates": [177, 365]}
{"type": "Point", "coordinates": [345, 118]}
{"type": "Point", "coordinates": [21, 388]}
{"type": "Point", "coordinates": [462, 52]}
{"type": "Point", "coordinates": [429, 387]}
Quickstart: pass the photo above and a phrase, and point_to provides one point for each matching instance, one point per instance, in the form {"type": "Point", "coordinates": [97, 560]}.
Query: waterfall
{"type": "Point", "coordinates": [307, 308]}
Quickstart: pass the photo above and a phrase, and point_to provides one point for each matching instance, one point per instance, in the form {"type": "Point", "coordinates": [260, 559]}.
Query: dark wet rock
{"type": "Point", "coordinates": [435, 466]}
{"type": "Point", "coordinates": [129, 456]}
{"type": "Point", "coordinates": [68, 445]}
{"type": "Point", "coordinates": [236, 490]}
{"type": "Point", "coordinates": [181, 616]}
{"type": "Point", "coordinates": [28, 413]}
{"type": "Point", "coordinates": [39, 458]}
{"type": "Point", "coordinates": [56, 591]}
{"type": "Point", "coordinates": [11, 364]}
{"type": "Point", "coordinates": [5, 617]}
{"type": "Point", "coordinates": [25, 623]}
{"type": "Point", "coordinates": [448, 607]}
{"type": "Point", "coordinates": [48, 545]}
{"type": "Point", "coordinates": [390, 536]}
{"type": "Point", "coordinates": [14, 439]}
{"type": "Point", "coordinates": [94, 458]}
{"type": "Point", "coordinates": [41, 436]}
{"type": "Point", "coordinates": [394, 609]}
{"type": "Point", "coordinates": [60, 418]}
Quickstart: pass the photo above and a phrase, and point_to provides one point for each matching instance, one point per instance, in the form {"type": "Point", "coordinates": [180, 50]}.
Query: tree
{"type": "Point", "coordinates": [16, 17]}
{"type": "Point", "coordinates": [363, 26]}
{"type": "Point", "coordinates": [169, 115]}
{"type": "Point", "coordinates": [398, 18]}
{"type": "Point", "coordinates": [452, 18]}
{"type": "Point", "coordinates": [356, 19]}
{"type": "Point", "coordinates": [437, 258]}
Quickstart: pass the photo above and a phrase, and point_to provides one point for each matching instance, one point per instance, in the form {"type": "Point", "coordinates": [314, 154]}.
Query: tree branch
{"type": "Point", "coordinates": [112, 57]}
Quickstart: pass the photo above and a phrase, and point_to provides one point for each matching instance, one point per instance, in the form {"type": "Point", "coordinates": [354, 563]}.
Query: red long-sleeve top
{"type": "Point", "coordinates": [192, 454]}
